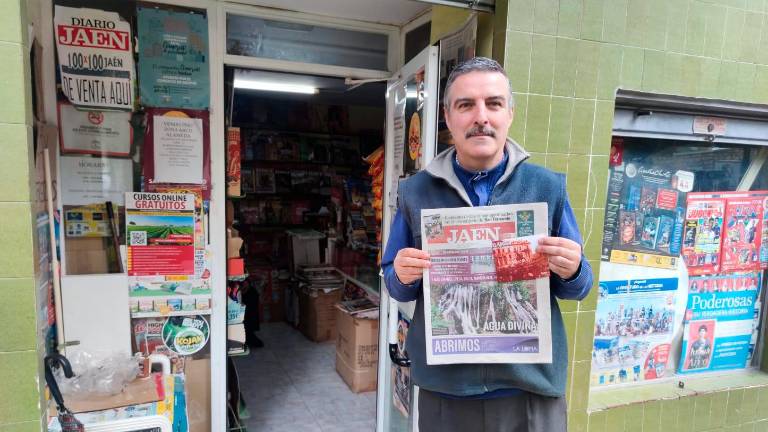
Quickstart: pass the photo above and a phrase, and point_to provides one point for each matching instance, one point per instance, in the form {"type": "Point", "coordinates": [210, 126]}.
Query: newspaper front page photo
{"type": "Point", "coordinates": [486, 295]}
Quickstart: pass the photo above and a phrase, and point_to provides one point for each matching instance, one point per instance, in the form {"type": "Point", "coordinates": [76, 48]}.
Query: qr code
{"type": "Point", "coordinates": [138, 238]}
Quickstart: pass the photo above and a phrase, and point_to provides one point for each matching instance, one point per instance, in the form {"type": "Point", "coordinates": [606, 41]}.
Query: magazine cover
{"type": "Point", "coordinates": [486, 295]}
{"type": "Point", "coordinates": [702, 236]}
{"type": "Point", "coordinates": [645, 214]}
{"type": "Point", "coordinates": [743, 231]}
{"type": "Point", "coordinates": [719, 321]}
{"type": "Point", "coordinates": [401, 376]}
{"type": "Point", "coordinates": [633, 330]}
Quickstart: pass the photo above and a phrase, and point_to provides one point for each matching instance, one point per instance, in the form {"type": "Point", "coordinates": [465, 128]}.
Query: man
{"type": "Point", "coordinates": [700, 350]}
{"type": "Point", "coordinates": [485, 168]}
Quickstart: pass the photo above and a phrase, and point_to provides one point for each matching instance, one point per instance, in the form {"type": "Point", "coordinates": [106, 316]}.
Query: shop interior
{"type": "Point", "coordinates": [305, 170]}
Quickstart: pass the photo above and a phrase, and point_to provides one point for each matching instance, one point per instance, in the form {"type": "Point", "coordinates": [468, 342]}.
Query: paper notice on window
{"type": "Point", "coordinates": [486, 295]}
{"type": "Point", "coordinates": [178, 147]}
{"type": "Point", "coordinates": [88, 180]}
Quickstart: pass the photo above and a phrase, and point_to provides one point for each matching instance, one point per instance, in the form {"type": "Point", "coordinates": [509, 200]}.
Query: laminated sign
{"type": "Point", "coordinates": [95, 58]}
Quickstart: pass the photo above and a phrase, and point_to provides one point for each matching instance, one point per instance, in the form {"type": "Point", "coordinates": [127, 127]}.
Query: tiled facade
{"type": "Point", "coordinates": [566, 58]}
{"type": "Point", "coordinates": [19, 386]}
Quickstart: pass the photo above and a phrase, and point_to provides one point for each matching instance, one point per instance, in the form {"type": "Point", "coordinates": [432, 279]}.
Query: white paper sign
{"type": "Point", "coordinates": [178, 148]}
{"type": "Point", "coordinates": [86, 180]}
{"type": "Point", "coordinates": [95, 132]}
{"type": "Point", "coordinates": [95, 57]}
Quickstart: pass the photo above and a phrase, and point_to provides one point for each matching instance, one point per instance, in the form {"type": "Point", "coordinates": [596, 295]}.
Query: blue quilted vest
{"type": "Point", "coordinates": [438, 187]}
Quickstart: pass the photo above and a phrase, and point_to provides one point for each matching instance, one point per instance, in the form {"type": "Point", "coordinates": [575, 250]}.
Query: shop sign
{"type": "Point", "coordinates": [95, 58]}
{"type": "Point", "coordinates": [186, 335]}
{"type": "Point", "coordinates": [709, 125]}
{"type": "Point", "coordinates": [173, 59]}
{"type": "Point", "coordinates": [105, 133]}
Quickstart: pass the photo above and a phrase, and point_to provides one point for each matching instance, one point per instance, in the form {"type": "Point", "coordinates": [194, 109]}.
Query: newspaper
{"type": "Point", "coordinates": [486, 295]}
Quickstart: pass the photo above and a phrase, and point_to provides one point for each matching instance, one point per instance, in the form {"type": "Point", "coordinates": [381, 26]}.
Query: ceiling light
{"type": "Point", "coordinates": [274, 86]}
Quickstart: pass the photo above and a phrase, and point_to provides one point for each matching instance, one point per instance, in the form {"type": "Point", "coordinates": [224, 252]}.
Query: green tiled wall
{"type": "Point", "coordinates": [566, 59]}
{"type": "Point", "coordinates": [19, 361]}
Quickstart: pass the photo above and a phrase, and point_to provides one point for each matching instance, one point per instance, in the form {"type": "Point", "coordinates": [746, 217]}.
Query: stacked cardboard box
{"type": "Point", "coordinates": [357, 345]}
{"type": "Point", "coordinates": [319, 289]}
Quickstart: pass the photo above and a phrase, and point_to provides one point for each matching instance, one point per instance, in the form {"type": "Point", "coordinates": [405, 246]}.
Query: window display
{"type": "Point", "coordinates": [675, 220]}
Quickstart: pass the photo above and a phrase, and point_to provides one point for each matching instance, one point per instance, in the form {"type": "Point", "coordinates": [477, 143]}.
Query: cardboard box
{"type": "Point", "coordinates": [317, 314]}
{"type": "Point", "coordinates": [357, 351]}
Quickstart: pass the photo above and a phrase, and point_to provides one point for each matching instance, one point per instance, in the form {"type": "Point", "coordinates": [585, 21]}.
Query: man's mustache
{"type": "Point", "coordinates": [481, 131]}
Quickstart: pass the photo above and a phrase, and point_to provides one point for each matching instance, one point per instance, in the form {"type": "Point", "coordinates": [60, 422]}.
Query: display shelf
{"type": "Point", "coordinates": [237, 278]}
{"type": "Point", "coordinates": [246, 350]}
{"type": "Point", "coordinates": [369, 289]}
{"type": "Point", "coordinates": [170, 314]}
{"type": "Point", "coordinates": [294, 162]}
{"type": "Point", "coordinates": [267, 130]}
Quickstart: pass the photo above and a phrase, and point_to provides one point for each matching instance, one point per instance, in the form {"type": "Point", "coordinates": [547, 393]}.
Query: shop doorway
{"type": "Point", "coordinates": [303, 242]}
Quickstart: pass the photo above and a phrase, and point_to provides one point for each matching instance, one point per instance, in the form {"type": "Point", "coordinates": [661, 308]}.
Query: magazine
{"type": "Point", "coordinates": [701, 237]}
{"type": "Point", "coordinates": [633, 330]}
{"type": "Point", "coordinates": [645, 214]}
{"type": "Point", "coordinates": [719, 324]}
{"type": "Point", "coordinates": [486, 294]}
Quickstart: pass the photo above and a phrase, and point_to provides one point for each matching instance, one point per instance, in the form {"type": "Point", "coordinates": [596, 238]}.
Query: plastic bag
{"type": "Point", "coordinates": [98, 374]}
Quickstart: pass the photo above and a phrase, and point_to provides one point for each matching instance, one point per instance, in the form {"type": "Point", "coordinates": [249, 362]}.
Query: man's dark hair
{"type": "Point", "coordinates": [703, 327]}
{"type": "Point", "coordinates": [475, 64]}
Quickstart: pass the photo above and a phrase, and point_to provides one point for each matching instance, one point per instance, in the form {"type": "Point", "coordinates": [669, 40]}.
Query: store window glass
{"type": "Point", "coordinates": [685, 246]}
{"type": "Point", "coordinates": [306, 43]}
{"type": "Point", "coordinates": [134, 170]}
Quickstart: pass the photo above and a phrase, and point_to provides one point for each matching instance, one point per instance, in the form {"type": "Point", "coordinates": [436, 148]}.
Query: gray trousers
{"type": "Point", "coordinates": [525, 412]}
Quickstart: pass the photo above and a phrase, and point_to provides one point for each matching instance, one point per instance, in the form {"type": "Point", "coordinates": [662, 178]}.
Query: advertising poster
{"type": "Point", "coordinates": [186, 335]}
{"type": "Point", "coordinates": [401, 376]}
{"type": "Point", "coordinates": [702, 233]}
{"type": "Point", "coordinates": [486, 294]}
{"type": "Point", "coordinates": [197, 191]}
{"type": "Point", "coordinates": [160, 231]}
{"type": "Point", "coordinates": [645, 215]}
{"type": "Point", "coordinates": [87, 221]}
{"type": "Point", "coordinates": [177, 148]}
{"type": "Point", "coordinates": [414, 115]}
{"type": "Point", "coordinates": [764, 236]}
{"type": "Point", "coordinates": [633, 330]}
{"type": "Point", "coordinates": [106, 133]}
{"type": "Point", "coordinates": [175, 295]}
{"type": "Point", "coordinates": [95, 54]}
{"type": "Point", "coordinates": [454, 49]}
{"type": "Point", "coordinates": [719, 322]}
{"type": "Point", "coordinates": [743, 232]}
{"type": "Point", "coordinates": [173, 59]}
{"type": "Point", "coordinates": [92, 180]}
{"type": "Point", "coordinates": [398, 124]}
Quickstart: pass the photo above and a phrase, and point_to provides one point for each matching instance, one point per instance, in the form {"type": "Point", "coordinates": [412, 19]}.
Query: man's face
{"type": "Point", "coordinates": [702, 334]}
{"type": "Point", "coordinates": [479, 118]}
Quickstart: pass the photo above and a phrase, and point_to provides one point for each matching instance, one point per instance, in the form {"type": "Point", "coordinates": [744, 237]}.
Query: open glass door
{"type": "Point", "coordinates": [412, 103]}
